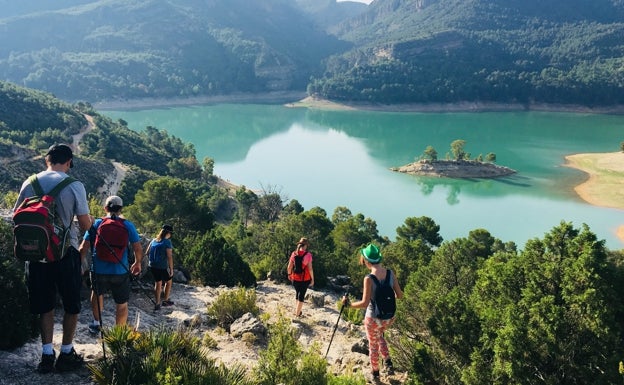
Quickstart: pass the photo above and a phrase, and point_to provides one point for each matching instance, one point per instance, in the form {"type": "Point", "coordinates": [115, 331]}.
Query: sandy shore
{"type": "Point", "coordinates": [299, 99]}
{"type": "Point", "coordinates": [313, 102]}
{"type": "Point", "coordinates": [605, 183]}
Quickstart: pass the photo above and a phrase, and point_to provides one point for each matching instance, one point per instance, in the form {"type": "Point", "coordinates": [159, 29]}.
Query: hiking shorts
{"type": "Point", "coordinates": [300, 289]}
{"type": "Point", "coordinates": [117, 284]}
{"type": "Point", "coordinates": [161, 274]}
{"type": "Point", "coordinates": [46, 280]}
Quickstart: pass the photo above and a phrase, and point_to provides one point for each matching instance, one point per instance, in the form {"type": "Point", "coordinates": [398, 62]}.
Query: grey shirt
{"type": "Point", "coordinates": [71, 201]}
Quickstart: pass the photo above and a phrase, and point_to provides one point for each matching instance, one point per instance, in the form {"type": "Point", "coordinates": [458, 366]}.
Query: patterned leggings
{"type": "Point", "coordinates": [375, 328]}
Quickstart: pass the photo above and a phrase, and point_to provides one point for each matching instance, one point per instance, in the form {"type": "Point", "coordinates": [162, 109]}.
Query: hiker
{"type": "Point", "coordinates": [371, 257]}
{"type": "Point", "coordinates": [160, 252]}
{"type": "Point", "coordinates": [109, 267]}
{"type": "Point", "coordinates": [300, 273]}
{"type": "Point", "coordinates": [47, 278]}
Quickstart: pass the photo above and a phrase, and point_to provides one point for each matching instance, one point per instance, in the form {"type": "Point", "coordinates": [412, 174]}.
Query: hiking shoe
{"type": "Point", "coordinates": [156, 307]}
{"type": "Point", "coordinates": [372, 377]}
{"type": "Point", "coordinates": [69, 361]}
{"type": "Point", "coordinates": [389, 367]}
{"type": "Point", "coordinates": [47, 363]}
{"type": "Point", "coordinates": [167, 303]}
{"type": "Point", "coordinates": [94, 329]}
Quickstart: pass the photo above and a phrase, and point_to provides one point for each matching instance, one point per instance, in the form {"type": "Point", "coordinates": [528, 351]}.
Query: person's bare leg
{"type": "Point", "coordinates": [167, 290]}
{"type": "Point", "coordinates": [157, 291]}
{"type": "Point", "coordinates": [94, 306]}
{"type": "Point", "coordinates": [47, 327]}
{"type": "Point", "coordinates": [121, 314]}
{"type": "Point", "coordinates": [299, 307]}
{"type": "Point", "coordinates": [69, 327]}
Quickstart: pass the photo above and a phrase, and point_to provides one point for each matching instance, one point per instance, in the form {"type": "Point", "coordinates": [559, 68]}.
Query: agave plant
{"type": "Point", "coordinates": [160, 356]}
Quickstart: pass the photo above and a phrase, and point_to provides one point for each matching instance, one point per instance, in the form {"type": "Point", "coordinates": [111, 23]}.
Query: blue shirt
{"type": "Point", "coordinates": [103, 267]}
{"type": "Point", "coordinates": [158, 253]}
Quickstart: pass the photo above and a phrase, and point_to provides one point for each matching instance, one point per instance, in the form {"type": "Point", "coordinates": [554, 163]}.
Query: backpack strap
{"type": "Point", "coordinates": [386, 280]}
{"type": "Point", "coordinates": [62, 184]}
{"type": "Point", "coordinates": [34, 182]}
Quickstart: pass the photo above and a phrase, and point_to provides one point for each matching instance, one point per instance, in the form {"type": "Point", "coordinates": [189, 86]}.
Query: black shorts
{"type": "Point", "coordinates": [117, 284]}
{"type": "Point", "coordinates": [301, 287]}
{"type": "Point", "coordinates": [64, 277]}
{"type": "Point", "coordinates": [160, 274]}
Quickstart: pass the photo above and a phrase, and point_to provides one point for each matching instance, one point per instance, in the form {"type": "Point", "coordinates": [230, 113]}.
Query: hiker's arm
{"type": "Point", "coordinates": [366, 296]}
{"type": "Point", "coordinates": [138, 258]}
{"type": "Point", "coordinates": [85, 245]}
{"type": "Point", "coordinates": [170, 261]}
{"type": "Point", "coordinates": [311, 273]}
{"type": "Point", "coordinates": [289, 269]}
{"type": "Point", "coordinates": [84, 248]}
{"type": "Point", "coordinates": [85, 221]}
{"type": "Point", "coordinates": [397, 288]}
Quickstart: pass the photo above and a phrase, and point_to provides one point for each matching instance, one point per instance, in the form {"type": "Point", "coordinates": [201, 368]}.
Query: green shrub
{"type": "Point", "coordinates": [209, 342]}
{"type": "Point", "coordinates": [347, 379]}
{"type": "Point", "coordinates": [354, 316]}
{"type": "Point", "coordinates": [160, 356]}
{"type": "Point", "coordinates": [277, 364]}
{"type": "Point", "coordinates": [17, 324]}
{"type": "Point", "coordinates": [249, 338]}
{"type": "Point", "coordinates": [285, 362]}
{"type": "Point", "coordinates": [232, 304]}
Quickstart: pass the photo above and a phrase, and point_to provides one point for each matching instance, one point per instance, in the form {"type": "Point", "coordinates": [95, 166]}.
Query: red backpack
{"type": "Point", "coordinates": [111, 239]}
{"type": "Point", "coordinates": [39, 234]}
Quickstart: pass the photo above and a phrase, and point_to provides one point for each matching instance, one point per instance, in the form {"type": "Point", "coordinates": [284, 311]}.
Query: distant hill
{"type": "Point", "coordinates": [388, 52]}
{"type": "Point", "coordinates": [530, 51]}
{"type": "Point", "coordinates": [119, 49]}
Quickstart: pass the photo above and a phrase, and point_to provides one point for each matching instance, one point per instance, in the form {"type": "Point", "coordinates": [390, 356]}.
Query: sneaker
{"type": "Point", "coordinates": [156, 307]}
{"type": "Point", "coordinates": [69, 361]}
{"type": "Point", "coordinates": [389, 367]}
{"type": "Point", "coordinates": [47, 363]}
{"type": "Point", "coordinates": [94, 329]}
{"type": "Point", "coordinates": [167, 303]}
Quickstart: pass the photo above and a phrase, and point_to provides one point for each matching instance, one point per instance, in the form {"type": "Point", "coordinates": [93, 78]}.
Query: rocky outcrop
{"type": "Point", "coordinates": [455, 169]}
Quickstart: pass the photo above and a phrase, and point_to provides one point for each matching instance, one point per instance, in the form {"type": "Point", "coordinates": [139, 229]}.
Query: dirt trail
{"type": "Point", "coordinates": [78, 137]}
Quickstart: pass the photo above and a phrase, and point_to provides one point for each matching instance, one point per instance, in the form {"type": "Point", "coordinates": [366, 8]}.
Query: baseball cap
{"type": "Point", "coordinates": [60, 153]}
{"type": "Point", "coordinates": [113, 200]}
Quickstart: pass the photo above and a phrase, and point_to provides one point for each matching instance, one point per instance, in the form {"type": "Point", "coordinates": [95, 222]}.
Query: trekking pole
{"type": "Point", "coordinates": [335, 327]}
{"type": "Point", "coordinates": [94, 290]}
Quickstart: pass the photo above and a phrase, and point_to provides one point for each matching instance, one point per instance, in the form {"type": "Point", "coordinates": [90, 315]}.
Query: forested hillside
{"type": "Point", "coordinates": [532, 51]}
{"type": "Point", "coordinates": [119, 49]}
{"type": "Point", "coordinates": [409, 51]}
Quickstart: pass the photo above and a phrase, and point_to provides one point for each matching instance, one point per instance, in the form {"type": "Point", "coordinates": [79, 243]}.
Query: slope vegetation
{"type": "Point", "coordinates": [481, 50]}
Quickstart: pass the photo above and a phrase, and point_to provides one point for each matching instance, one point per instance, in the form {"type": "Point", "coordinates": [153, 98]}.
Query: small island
{"type": "Point", "coordinates": [459, 166]}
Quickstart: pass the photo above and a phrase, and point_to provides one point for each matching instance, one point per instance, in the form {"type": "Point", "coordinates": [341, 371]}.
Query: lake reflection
{"type": "Point", "coordinates": [342, 158]}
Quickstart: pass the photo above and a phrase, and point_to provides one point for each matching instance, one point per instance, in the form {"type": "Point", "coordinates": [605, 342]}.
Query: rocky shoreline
{"type": "Point", "coordinates": [455, 169]}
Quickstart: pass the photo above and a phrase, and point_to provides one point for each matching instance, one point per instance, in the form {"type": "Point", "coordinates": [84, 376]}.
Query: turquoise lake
{"type": "Point", "coordinates": [342, 158]}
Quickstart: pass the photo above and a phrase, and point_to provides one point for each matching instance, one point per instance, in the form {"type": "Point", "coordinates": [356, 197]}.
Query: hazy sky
{"type": "Point", "coordinates": [359, 1]}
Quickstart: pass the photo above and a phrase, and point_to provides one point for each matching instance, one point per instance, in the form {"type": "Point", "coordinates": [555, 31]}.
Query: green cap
{"type": "Point", "coordinates": [371, 254]}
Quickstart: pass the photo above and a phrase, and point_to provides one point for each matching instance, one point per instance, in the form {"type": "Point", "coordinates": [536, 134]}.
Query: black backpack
{"type": "Point", "coordinates": [39, 233]}
{"type": "Point", "coordinates": [384, 300]}
{"type": "Point", "coordinates": [298, 268]}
